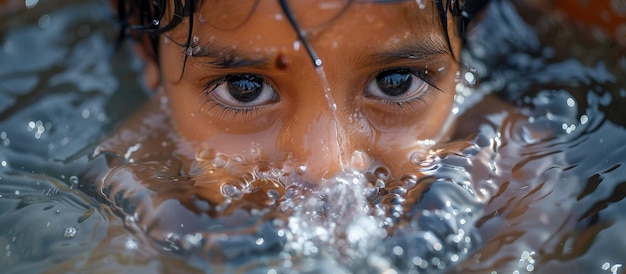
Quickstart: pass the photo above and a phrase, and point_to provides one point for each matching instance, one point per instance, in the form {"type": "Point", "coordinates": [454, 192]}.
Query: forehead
{"type": "Point", "coordinates": [309, 13]}
{"type": "Point", "coordinates": [316, 15]}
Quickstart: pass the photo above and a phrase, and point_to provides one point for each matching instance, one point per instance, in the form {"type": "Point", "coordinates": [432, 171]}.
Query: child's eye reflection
{"type": "Point", "coordinates": [396, 84]}
{"type": "Point", "coordinates": [242, 91]}
{"type": "Point", "coordinates": [247, 92]}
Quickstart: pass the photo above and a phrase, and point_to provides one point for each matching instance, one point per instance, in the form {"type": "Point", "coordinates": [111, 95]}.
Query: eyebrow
{"type": "Point", "coordinates": [227, 57]}
{"type": "Point", "coordinates": [424, 49]}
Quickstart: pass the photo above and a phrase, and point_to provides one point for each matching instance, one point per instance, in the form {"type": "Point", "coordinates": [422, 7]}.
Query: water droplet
{"type": "Point", "coordinates": [231, 191]}
{"type": "Point", "coordinates": [397, 250]}
{"type": "Point", "coordinates": [584, 119]}
{"type": "Point", "coordinates": [382, 173]}
{"type": "Point", "coordinates": [220, 160]}
{"type": "Point", "coordinates": [130, 244]}
{"type": "Point", "coordinates": [470, 78]}
{"type": "Point", "coordinates": [70, 232]}
{"type": "Point", "coordinates": [44, 21]}
{"type": "Point", "coordinates": [437, 246]}
{"type": "Point", "coordinates": [31, 3]}
{"type": "Point", "coordinates": [73, 181]}
{"type": "Point", "coordinates": [615, 268]}
{"type": "Point", "coordinates": [421, 4]}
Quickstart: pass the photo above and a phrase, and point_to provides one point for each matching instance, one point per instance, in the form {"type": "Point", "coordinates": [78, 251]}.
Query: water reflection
{"type": "Point", "coordinates": [536, 188]}
{"type": "Point", "coordinates": [226, 209]}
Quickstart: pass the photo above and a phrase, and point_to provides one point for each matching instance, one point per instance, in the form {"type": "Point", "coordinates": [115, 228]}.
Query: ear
{"type": "Point", "coordinates": [151, 74]}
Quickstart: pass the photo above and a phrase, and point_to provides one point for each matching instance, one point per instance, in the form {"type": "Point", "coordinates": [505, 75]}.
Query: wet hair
{"type": "Point", "coordinates": [141, 19]}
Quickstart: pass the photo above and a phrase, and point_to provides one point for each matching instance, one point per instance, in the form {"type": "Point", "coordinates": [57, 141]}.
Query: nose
{"type": "Point", "coordinates": [316, 136]}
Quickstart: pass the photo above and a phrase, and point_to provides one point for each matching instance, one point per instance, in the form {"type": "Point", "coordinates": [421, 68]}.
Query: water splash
{"type": "Point", "coordinates": [215, 207]}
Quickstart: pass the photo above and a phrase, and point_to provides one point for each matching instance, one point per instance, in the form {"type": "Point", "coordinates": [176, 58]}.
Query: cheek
{"type": "Point", "coordinates": [396, 139]}
{"type": "Point", "coordinates": [423, 119]}
{"type": "Point", "coordinates": [250, 139]}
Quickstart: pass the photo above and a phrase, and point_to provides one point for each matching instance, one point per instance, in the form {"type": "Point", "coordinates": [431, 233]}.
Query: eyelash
{"type": "Point", "coordinates": [422, 74]}
{"type": "Point", "coordinates": [226, 111]}
{"type": "Point", "coordinates": [247, 113]}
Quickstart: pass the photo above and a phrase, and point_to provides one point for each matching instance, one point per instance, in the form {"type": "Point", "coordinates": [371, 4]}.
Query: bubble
{"type": "Point", "coordinates": [397, 250]}
{"type": "Point", "coordinates": [437, 246]}
{"type": "Point", "coordinates": [220, 161]}
{"type": "Point", "coordinates": [382, 173]}
{"type": "Point", "coordinates": [525, 255]}
{"type": "Point", "coordinates": [73, 181]}
{"type": "Point", "coordinates": [615, 268]}
{"type": "Point", "coordinates": [191, 241]}
{"type": "Point", "coordinates": [301, 170]}
{"type": "Point", "coordinates": [231, 191]}
{"type": "Point", "coordinates": [130, 244]}
{"type": "Point", "coordinates": [469, 77]}
{"type": "Point", "coordinates": [44, 21]}
{"type": "Point", "coordinates": [570, 102]}
{"type": "Point", "coordinates": [584, 119]}
{"type": "Point", "coordinates": [70, 232]}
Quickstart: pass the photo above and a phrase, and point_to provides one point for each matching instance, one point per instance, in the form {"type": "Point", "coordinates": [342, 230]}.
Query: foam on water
{"type": "Point", "coordinates": [538, 188]}
{"type": "Point", "coordinates": [233, 210]}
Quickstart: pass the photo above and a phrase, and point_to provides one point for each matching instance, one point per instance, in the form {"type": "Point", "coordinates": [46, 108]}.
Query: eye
{"type": "Point", "coordinates": [397, 85]}
{"type": "Point", "coordinates": [243, 90]}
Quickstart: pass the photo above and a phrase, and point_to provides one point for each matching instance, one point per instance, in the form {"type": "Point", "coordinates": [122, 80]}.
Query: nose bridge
{"type": "Point", "coordinates": [314, 136]}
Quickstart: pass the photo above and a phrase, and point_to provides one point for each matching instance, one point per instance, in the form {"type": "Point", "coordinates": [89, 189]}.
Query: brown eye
{"type": "Point", "coordinates": [245, 87]}
{"type": "Point", "coordinates": [244, 90]}
{"type": "Point", "coordinates": [396, 85]}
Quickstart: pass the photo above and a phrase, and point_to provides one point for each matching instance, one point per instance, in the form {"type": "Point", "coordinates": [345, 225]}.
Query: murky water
{"type": "Point", "coordinates": [89, 181]}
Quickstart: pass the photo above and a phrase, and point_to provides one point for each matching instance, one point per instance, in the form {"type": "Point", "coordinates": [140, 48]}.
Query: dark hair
{"type": "Point", "coordinates": [141, 19]}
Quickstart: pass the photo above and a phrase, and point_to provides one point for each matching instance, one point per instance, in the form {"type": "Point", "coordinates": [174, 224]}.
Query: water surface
{"type": "Point", "coordinates": [538, 187]}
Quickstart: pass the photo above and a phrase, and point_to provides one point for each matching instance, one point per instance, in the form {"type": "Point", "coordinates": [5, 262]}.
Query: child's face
{"type": "Point", "coordinates": [252, 90]}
